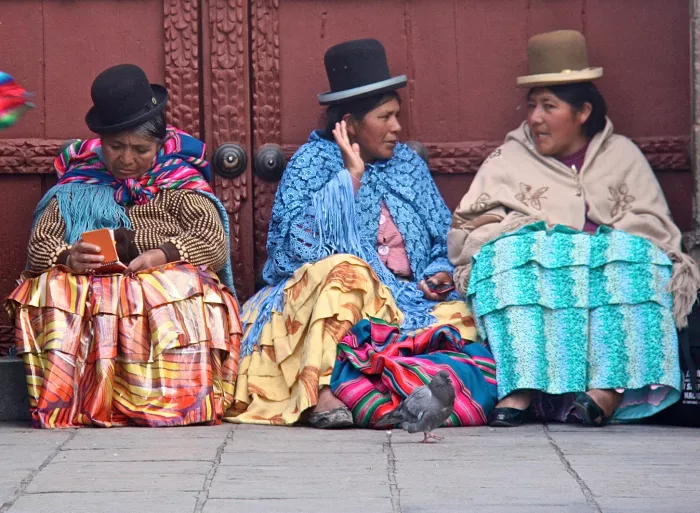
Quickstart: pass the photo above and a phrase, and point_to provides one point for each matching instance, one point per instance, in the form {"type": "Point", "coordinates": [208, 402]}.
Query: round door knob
{"type": "Point", "coordinates": [230, 160]}
{"type": "Point", "coordinates": [419, 148]}
{"type": "Point", "coordinates": [270, 162]}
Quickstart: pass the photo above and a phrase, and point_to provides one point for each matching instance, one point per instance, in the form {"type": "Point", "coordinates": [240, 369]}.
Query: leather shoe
{"type": "Point", "coordinates": [506, 417]}
{"type": "Point", "coordinates": [337, 418]}
{"type": "Point", "coordinates": [591, 414]}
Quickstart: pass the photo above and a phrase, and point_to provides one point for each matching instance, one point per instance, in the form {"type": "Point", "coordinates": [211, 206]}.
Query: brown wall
{"type": "Point", "coordinates": [54, 49]}
{"type": "Point", "coordinates": [249, 72]}
{"type": "Point", "coordinates": [462, 59]}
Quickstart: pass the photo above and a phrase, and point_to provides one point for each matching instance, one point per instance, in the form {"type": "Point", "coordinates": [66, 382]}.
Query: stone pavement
{"type": "Point", "coordinates": [231, 468]}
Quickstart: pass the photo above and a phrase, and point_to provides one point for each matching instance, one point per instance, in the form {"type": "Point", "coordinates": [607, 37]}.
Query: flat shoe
{"type": "Point", "coordinates": [589, 411]}
{"type": "Point", "coordinates": [340, 417]}
{"type": "Point", "coordinates": [506, 417]}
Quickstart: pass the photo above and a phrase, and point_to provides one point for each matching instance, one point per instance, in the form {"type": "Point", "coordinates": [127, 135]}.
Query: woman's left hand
{"type": "Point", "coordinates": [441, 280]}
{"type": "Point", "coordinates": [351, 151]}
{"type": "Point", "coordinates": [151, 258]}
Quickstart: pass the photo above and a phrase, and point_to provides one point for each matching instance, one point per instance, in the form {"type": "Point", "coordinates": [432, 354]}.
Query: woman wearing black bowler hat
{"type": "Point", "coordinates": [357, 238]}
{"type": "Point", "coordinates": [152, 342]}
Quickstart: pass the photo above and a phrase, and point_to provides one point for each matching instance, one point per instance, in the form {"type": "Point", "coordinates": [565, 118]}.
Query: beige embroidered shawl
{"type": "Point", "coordinates": [516, 185]}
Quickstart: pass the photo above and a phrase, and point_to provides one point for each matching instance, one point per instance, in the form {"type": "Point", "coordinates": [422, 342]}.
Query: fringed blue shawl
{"type": "Point", "coordinates": [316, 214]}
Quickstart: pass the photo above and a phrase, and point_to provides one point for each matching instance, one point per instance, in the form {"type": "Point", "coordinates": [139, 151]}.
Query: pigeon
{"type": "Point", "coordinates": [425, 409]}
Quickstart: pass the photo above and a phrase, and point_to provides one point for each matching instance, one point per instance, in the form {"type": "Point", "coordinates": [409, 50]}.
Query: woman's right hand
{"type": "Point", "coordinates": [351, 151]}
{"type": "Point", "coordinates": [84, 257]}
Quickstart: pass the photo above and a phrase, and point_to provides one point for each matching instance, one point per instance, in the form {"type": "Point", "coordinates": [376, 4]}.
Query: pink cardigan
{"type": "Point", "coordinates": [390, 245]}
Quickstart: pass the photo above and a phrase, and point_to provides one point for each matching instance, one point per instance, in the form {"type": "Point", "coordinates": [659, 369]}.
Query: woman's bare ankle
{"type": "Point", "coordinates": [607, 400]}
{"type": "Point", "coordinates": [327, 401]}
{"type": "Point", "coordinates": [520, 400]}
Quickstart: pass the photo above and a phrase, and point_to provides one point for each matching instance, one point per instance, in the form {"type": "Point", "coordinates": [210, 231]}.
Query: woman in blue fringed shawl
{"type": "Point", "coordinates": [156, 344]}
{"type": "Point", "coordinates": [358, 231]}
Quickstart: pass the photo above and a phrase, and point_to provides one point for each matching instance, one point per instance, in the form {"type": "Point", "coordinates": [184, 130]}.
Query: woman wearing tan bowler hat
{"type": "Point", "coordinates": [566, 250]}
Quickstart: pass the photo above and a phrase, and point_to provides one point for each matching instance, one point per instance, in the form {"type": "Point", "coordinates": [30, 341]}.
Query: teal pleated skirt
{"type": "Point", "coordinates": [566, 311]}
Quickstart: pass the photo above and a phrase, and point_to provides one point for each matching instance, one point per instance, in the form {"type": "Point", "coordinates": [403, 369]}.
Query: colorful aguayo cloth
{"type": "Point", "coordinates": [565, 311]}
{"type": "Point", "coordinates": [378, 367]}
{"type": "Point", "coordinates": [14, 101]}
{"type": "Point", "coordinates": [156, 349]}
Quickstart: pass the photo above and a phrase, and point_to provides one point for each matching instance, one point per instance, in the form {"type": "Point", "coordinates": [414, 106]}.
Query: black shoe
{"type": "Point", "coordinates": [506, 417]}
{"type": "Point", "coordinates": [591, 413]}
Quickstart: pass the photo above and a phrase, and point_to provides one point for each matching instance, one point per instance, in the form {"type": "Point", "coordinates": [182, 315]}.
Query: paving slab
{"type": "Point", "coordinates": [144, 476]}
{"type": "Point", "coordinates": [107, 502]}
{"type": "Point", "coordinates": [165, 438]}
{"type": "Point", "coordinates": [307, 505]}
{"type": "Point", "coordinates": [20, 433]}
{"type": "Point", "coordinates": [327, 479]}
{"type": "Point", "coordinates": [467, 506]}
{"type": "Point", "coordinates": [645, 505]}
{"type": "Point", "coordinates": [233, 468]}
{"type": "Point", "coordinates": [192, 452]}
{"type": "Point", "coordinates": [22, 452]}
{"type": "Point", "coordinates": [635, 468]}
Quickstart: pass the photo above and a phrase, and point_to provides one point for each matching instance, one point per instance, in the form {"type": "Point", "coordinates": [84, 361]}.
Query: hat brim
{"type": "Point", "coordinates": [363, 91]}
{"type": "Point", "coordinates": [95, 124]}
{"type": "Point", "coordinates": [569, 77]}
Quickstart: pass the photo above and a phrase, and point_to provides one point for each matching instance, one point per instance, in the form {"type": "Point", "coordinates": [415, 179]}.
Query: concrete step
{"type": "Point", "coordinates": [14, 401]}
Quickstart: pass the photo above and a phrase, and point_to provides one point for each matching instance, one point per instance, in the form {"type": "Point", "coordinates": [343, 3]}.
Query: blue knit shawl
{"type": "Point", "coordinates": [316, 214]}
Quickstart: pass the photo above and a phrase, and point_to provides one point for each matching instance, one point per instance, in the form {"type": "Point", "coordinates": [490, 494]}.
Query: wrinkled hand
{"type": "Point", "coordinates": [151, 258]}
{"type": "Point", "coordinates": [351, 152]}
{"type": "Point", "coordinates": [84, 257]}
{"type": "Point", "coordinates": [439, 280]}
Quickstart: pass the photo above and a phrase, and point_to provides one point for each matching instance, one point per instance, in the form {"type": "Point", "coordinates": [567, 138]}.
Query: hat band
{"type": "Point", "coordinates": [356, 92]}
{"type": "Point", "coordinates": [148, 107]}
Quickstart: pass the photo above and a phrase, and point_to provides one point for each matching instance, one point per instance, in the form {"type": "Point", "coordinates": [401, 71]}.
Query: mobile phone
{"type": "Point", "coordinates": [440, 288]}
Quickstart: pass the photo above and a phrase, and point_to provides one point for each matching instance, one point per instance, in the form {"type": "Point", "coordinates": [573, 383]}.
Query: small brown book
{"type": "Point", "coordinates": [104, 238]}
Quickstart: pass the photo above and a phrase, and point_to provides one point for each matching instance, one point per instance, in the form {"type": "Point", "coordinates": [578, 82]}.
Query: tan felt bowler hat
{"type": "Point", "coordinates": [558, 57]}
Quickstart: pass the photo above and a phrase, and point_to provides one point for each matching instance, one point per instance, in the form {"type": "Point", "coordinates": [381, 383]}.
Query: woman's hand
{"type": "Point", "coordinates": [440, 281]}
{"type": "Point", "coordinates": [151, 258]}
{"type": "Point", "coordinates": [84, 257]}
{"type": "Point", "coordinates": [351, 152]}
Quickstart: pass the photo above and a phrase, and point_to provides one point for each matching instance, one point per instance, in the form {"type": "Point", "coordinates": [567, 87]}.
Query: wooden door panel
{"type": "Point", "coordinates": [226, 80]}
{"type": "Point", "coordinates": [644, 49]}
{"type": "Point", "coordinates": [83, 38]}
{"type": "Point", "coordinates": [462, 59]}
{"type": "Point", "coordinates": [55, 50]}
{"type": "Point", "coordinates": [266, 92]}
{"type": "Point", "coordinates": [22, 57]}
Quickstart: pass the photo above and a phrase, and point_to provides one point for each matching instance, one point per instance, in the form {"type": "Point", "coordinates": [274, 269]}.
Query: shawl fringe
{"type": "Point", "coordinates": [684, 285]}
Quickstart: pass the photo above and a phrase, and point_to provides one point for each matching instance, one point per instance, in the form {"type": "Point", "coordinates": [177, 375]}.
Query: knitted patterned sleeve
{"type": "Point", "coordinates": [46, 245]}
{"type": "Point", "coordinates": [203, 241]}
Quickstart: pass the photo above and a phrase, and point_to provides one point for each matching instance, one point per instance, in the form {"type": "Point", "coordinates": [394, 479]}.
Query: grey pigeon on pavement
{"type": "Point", "coordinates": [425, 409]}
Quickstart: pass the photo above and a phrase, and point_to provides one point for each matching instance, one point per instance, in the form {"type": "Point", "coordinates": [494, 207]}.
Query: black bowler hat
{"type": "Point", "coordinates": [123, 98]}
{"type": "Point", "coordinates": [357, 69]}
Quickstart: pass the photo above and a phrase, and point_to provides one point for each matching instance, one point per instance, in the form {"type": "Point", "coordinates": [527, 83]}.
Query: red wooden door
{"type": "Point", "coordinates": [55, 49]}
{"type": "Point", "coordinates": [462, 59]}
{"type": "Point", "coordinates": [248, 71]}
{"type": "Point", "coordinates": [198, 48]}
